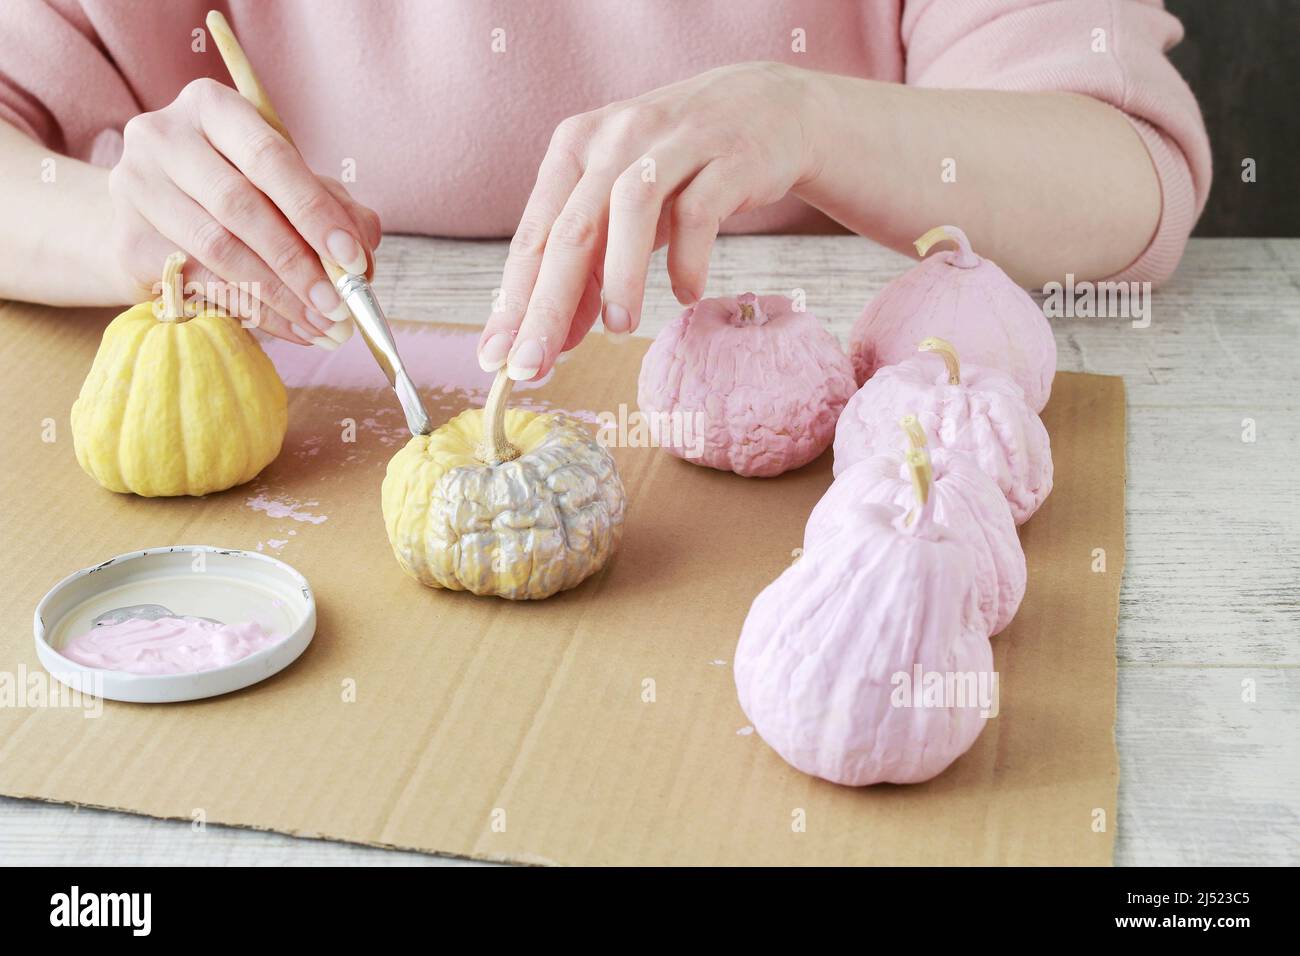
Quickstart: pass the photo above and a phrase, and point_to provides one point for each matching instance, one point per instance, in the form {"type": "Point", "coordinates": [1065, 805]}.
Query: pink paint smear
{"type": "Point", "coordinates": [437, 359]}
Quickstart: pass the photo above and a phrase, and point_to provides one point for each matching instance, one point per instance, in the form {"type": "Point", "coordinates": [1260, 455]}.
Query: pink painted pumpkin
{"type": "Point", "coordinates": [831, 649]}
{"type": "Point", "coordinates": [966, 501]}
{"type": "Point", "coordinates": [970, 302]}
{"type": "Point", "coordinates": [745, 384]}
{"type": "Point", "coordinates": [968, 408]}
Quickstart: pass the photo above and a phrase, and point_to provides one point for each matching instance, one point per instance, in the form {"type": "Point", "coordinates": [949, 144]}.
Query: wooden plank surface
{"type": "Point", "coordinates": [1209, 636]}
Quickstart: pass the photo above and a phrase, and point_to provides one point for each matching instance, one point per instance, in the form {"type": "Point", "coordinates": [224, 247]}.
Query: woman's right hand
{"type": "Point", "coordinates": [207, 175]}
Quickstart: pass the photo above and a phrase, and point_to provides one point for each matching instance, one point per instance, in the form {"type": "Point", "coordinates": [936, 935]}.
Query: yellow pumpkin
{"type": "Point", "coordinates": [509, 503]}
{"type": "Point", "coordinates": [178, 403]}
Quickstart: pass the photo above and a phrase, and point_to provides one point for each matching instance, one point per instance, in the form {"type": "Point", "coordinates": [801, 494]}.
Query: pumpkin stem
{"type": "Point", "coordinates": [949, 355]}
{"type": "Point", "coordinates": [965, 258]}
{"type": "Point", "coordinates": [750, 312]}
{"type": "Point", "coordinates": [912, 429]}
{"type": "Point", "coordinates": [173, 289]}
{"type": "Point", "coordinates": [495, 447]}
{"type": "Point", "coordinates": [918, 463]}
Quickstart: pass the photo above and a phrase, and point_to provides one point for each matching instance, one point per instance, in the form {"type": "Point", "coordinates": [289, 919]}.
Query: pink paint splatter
{"type": "Point", "coordinates": [394, 432]}
{"type": "Point", "coordinates": [285, 508]}
{"type": "Point", "coordinates": [310, 447]}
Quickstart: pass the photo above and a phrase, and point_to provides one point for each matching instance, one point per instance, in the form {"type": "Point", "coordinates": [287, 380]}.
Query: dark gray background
{"type": "Point", "coordinates": [1242, 60]}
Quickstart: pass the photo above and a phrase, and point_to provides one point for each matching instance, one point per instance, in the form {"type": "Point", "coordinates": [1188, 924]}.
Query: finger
{"type": "Point", "coordinates": [635, 212]}
{"type": "Point", "coordinates": [229, 298]}
{"type": "Point", "coordinates": [273, 165]}
{"type": "Point", "coordinates": [135, 244]}
{"type": "Point", "coordinates": [585, 315]}
{"type": "Point", "coordinates": [572, 249]}
{"type": "Point", "coordinates": [366, 219]}
{"type": "Point", "coordinates": [149, 249]}
{"type": "Point", "coordinates": [176, 215]}
{"type": "Point", "coordinates": [697, 213]}
{"type": "Point", "coordinates": [141, 249]}
{"type": "Point", "coordinates": [560, 171]}
{"type": "Point", "coordinates": [230, 199]}
{"type": "Point", "coordinates": [188, 226]}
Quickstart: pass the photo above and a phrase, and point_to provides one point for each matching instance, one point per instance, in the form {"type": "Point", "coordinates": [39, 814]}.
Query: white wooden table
{"type": "Point", "coordinates": [1209, 635]}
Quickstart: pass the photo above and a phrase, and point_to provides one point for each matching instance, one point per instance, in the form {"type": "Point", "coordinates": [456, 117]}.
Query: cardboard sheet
{"type": "Point", "coordinates": [600, 726]}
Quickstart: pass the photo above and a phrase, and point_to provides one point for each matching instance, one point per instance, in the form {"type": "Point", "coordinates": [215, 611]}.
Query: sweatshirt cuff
{"type": "Point", "coordinates": [1177, 213]}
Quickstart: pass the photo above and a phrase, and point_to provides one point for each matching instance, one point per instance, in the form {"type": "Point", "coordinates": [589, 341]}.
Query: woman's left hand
{"type": "Point", "coordinates": [619, 182]}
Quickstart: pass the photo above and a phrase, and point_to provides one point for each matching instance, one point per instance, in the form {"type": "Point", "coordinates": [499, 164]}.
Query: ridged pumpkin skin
{"type": "Point", "coordinates": [767, 394]}
{"type": "Point", "coordinates": [187, 407]}
{"type": "Point", "coordinates": [984, 415]}
{"type": "Point", "coordinates": [972, 303]}
{"type": "Point", "coordinates": [818, 656]}
{"type": "Point", "coordinates": [521, 529]}
{"type": "Point", "coordinates": [966, 502]}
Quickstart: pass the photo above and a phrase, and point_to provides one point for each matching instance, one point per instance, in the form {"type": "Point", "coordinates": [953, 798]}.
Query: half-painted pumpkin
{"type": "Point", "coordinates": [504, 502]}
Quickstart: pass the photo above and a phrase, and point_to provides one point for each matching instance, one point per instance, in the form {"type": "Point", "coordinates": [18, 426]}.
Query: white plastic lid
{"type": "Point", "coordinates": [187, 580]}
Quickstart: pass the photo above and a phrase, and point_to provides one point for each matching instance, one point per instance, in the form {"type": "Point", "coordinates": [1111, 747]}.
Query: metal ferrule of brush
{"type": "Point", "coordinates": [356, 292]}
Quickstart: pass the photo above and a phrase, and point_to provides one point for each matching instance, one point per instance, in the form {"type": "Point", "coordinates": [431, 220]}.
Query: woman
{"type": "Point", "coordinates": [1055, 133]}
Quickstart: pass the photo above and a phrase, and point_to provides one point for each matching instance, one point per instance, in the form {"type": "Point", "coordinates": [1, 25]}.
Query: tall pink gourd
{"type": "Point", "coordinates": [830, 648]}
{"type": "Point", "coordinates": [967, 408]}
{"type": "Point", "coordinates": [966, 501]}
{"type": "Point", "coordinates": [970, 302]}
{"type": "Point", "coordinates": [760, 383]}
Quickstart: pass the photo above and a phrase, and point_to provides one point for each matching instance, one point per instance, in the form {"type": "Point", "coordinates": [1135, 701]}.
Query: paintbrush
{"type": "Point", "coordinates": [353, 289]}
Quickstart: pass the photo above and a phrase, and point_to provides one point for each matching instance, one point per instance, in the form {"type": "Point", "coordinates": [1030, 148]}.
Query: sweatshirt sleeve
{"type": "Point", "coordinates": [1111, 50]}
{"type": "Point", "coordinates": [57, 83]}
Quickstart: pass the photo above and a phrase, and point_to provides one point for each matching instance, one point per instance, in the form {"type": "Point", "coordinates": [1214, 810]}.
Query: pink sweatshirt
{"type": "Point", "coordinates": [443, 108]}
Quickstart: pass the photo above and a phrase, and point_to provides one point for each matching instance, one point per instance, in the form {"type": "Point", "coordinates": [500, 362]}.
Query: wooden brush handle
{"type": "Point", "coordinates": [251, 88]}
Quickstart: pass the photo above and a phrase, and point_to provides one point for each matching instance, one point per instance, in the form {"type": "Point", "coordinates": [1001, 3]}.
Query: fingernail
{"type": "Point", "coordinates": [326, 299]}
{"type": "Point", "coordinates": [340, 332]}
{"type": "Point", "coordinates": [320, 341]}
{"type": "Point", "coordinates": [304, 334]}
{"type": "Point", "coordinates": [685, 296]}
{"type": "Point", "coordinates": [492, 355]}
{"type": "Point", "coordinates": [617, 318]}
{"type": "Point", "coordinates": [525, 361]}
{"type": "Point", "coordinates": [318, 322]}
{"type": "Point", "coordinates": [346, 252]}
